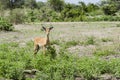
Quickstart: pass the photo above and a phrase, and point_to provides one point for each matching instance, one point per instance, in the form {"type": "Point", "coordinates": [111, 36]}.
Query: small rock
{"type": "Point", "coordinates": [78, 78]}
{"type": "Point", "coordinates": [106, 77]}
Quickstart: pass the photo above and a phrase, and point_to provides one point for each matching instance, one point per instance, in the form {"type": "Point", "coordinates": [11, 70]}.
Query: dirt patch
{"type": "Point", "coordinates": [82, 50]}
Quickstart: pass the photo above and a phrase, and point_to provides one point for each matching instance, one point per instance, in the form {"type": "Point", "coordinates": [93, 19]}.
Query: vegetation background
{"type": "Point", "coordinates": [26, 11]}
{"type": "Point", "coordinates": [81, 47]}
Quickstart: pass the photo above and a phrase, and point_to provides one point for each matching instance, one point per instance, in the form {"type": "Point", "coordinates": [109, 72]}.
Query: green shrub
{"type": "Point", "coordinates": [5, 25]}
{"type": "Point", "coordinates": [17, 16]}
{"type": "Point", "coordinates": [110, 9]}
{"type": "Point", "coordinates": [32, 16]}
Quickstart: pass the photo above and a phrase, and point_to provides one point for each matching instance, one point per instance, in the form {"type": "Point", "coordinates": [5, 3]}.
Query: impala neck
{"type": "Point", "coordinates": [47, 37]}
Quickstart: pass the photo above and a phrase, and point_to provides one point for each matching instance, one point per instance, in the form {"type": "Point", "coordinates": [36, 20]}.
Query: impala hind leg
{"type": "Point", "coordinates": [44, 50]}
{"type": "Point", "coordinates": [36, 49]}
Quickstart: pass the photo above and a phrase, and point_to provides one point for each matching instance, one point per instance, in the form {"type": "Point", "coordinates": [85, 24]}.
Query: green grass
{"type": "Point", "coordinates": [106, 39]}
{"type": "Point", "coordinates": [13, 60]}
{"type": "Point", "coordinates": [70, 44]}
{"type": "Point", "coordinates": [89, 41]}
{"type": "Point", "coordinates": [117, 25]}
{"type": "Point", "coordinates": [57, 42]}
{"type": "Point", "coordinates": [105, 52]}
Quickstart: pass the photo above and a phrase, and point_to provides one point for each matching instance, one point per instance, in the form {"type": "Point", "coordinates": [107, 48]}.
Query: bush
{"type": "Point", "coordinates": [32, 16]}
{"type": "Point", "coordinates": [110, 9]}
{"type": "Point", "coordinates": [5, 25]}
{"type": "Point", "coordinates": [17, 16]}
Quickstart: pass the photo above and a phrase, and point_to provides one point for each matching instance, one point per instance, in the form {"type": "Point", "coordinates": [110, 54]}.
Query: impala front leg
{"type": "Point", "coordinates": [36, 49]}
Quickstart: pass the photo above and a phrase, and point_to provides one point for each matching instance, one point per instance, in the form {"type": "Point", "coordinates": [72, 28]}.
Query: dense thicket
{"type": "Point", "coordinates": [20, 11]}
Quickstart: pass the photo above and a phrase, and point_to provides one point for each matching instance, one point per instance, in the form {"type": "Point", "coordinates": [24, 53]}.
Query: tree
{"type": "Point", "coordinates": [17, 3]}
{"type": "Point", "coordinates": [92, 7]}
{"type": "Point", "coordinates": [30, 4]}
{"type": "Point", "coordinates": [82, 10]}
{"type": "Point", "coordinates": [110, 7]}
{"type": "Point", "coordinates": [11, 4]}
{"type": "Point", "coordinates": [83, 6]}
{"type": "Point", "coordinates": [40, 4]}
{"type": "Point", "coordinates": [72, 12]}
{"type": "Point", "coordinates": [4, 4]}
{"type": "Point", "coordinates": [57, 5]}
{"type": "Point", "coordinates": [67, 11]}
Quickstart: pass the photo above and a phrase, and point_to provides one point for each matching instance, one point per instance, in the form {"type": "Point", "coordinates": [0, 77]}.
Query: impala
{"type": "Point", "coordinates": [42, 42]}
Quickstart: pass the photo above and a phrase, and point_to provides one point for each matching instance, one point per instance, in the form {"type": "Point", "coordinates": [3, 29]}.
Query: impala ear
{"type": "Point", "coordinates": [51, 28]}
{"type": "Point", "coordinates": [43, 28]}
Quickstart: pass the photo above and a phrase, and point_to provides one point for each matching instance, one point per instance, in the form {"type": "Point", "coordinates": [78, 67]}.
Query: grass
{"type": "Point", "coordinates": [106, 39]}
{"type": "Point", "coordinates": [89, 41]}
{"type": "Point", "coordinates": [17, 56]}
{"type": "Point", "coordinates": [65, 66]}
{"type": "Point", "coordinates": [70, 44]}
{"type": "Point", "coordinates": [104, 52]}
{"type": "Point", "coordinates": [57, 42]}
{"type": "Point", "coordinates": [118, 25]}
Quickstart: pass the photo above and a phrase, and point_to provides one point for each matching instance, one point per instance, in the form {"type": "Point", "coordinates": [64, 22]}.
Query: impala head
{"type": "Point", "coordinates": [47, 30]}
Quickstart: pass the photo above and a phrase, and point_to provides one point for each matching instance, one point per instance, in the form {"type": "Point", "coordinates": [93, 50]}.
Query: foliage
{"type": "Point", "coordinates": [22, 11]}
{"type": "Point", "coordinates": [65, 66]}
{"type": "Point", "coordinates": [40, 5]}
{"type": "Point", "coordinates": [110, 9]}
{"type": "Point", "coordinates": [12, 4]}
{"type": "Point", "coordinates": [5, 25]}
{"type": "Point", "coordinates": [57, 5]}
{"type": "Point", "coordinates": [104, 52]}
{"type": "Point", "coordinates": [30, 4]}
{"type": "Point", "coordinates": [17, 16]}
{"type": "Point", "coordinates": [15, 4]}
{"type": "Point", "coordinates": [4, 4]}
{"type": "Point", "coordinates": [49, 15]}
{"type": "Point", "coordinates": [32, 16]}
{"type": "Point", "coordinates": [92, 7]}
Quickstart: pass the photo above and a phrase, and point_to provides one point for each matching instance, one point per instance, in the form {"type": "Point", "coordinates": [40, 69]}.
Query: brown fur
{"type": "Point", "coordinates": [40, 42]}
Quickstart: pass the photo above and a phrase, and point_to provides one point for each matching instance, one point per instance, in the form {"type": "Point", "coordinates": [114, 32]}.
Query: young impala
{"type": "Point", "coordinates": [42, 42]}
